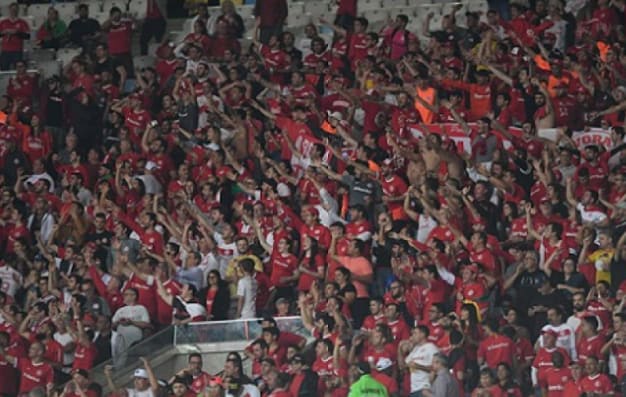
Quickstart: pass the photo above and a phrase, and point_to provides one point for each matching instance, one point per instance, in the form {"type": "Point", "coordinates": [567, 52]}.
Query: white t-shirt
{"type": "Point", "coordinates": [422, 355]}
{"type": "Point", "coordinates": [11, 280]}
{"type": "Point", "coordinates": [248, 390]}
{"type": "Point", "coordinates": [590, 215]}
{"type": "Point", "coordinates": [247, 288]}
{"type": "Point", "coordinates": [135, 393]}
{"type": "Point", "coordinates": [135, 313]}
{"type": "Point", "coordinates": [64, 340]}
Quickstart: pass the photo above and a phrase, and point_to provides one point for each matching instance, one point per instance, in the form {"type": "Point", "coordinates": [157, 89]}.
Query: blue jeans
{"type": "Point", "coordinates": [416, 394]}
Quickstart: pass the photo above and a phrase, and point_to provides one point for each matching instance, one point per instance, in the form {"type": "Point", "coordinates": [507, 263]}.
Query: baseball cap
{"type": "Point", "coordinates": [550, 331]}
{"type": "Point", "coordinates": [140, 373]}
{"type": "Point", "coordinates": [383, 363]}
{"type": "Point", "coordinates": [297, 358]}
{"type": "Point", "coordinates": [268, 319]}
{"type": "Point", "coordinates": [335, 115]}
{"type": "Point", "coordinates": [81, 372]}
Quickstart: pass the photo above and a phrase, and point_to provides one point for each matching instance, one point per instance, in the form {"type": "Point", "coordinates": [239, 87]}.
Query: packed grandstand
{"type": "Point", "coordinates": [436, 190]}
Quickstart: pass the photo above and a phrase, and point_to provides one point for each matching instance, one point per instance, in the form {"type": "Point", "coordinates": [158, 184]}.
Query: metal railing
{"type": "Point", "coordinates": [231, 330]}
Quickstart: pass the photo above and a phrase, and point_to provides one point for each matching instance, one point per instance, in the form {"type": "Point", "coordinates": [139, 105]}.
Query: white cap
{"type": "Point", "coordinates": [151, 165]}
{"type": "Point", "coordinates": [383, 363]}
{"type": "Point", "coordinates": [213, 146]}
{"type": "Point", "coordinates": [283, 190]}
{"type": "Point", "coordinates": [335, 115]}
{"type": "Point", "coordinates": [140, 373]}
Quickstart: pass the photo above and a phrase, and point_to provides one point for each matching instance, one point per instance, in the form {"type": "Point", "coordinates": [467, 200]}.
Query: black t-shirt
{"type": "Point", "coordinates": [526, 286]}
{"type": "Point", "coordinates": [79, 28]}
{"type": "Point", "coordinates": [108, 65]}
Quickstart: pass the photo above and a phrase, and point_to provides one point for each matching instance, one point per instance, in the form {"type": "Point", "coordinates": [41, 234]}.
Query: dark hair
{"type": "Point", "coordinates": [592, 321]}
{"type": "Point", "coordinates": [363, 21]}
{"type": "Point", "coordinates": [261, 343]}
{"type": "Point", "coordinates": [344, 270]}
{"type": "Point", "coordinates": [247, 265]}
{"type": "Point", "coordinates": [423, 329]}
{"type": "Point", "coordinates": [194, 355]}
{"type": "Point", "coordinates": [274, 331]}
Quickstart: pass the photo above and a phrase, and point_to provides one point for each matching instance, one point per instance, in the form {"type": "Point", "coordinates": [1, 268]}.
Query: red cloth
{"type": "Point", "coordinates": [34, 375]}
{"type": "Point", "coordinates": [495, 349]}
{"type": "Point", "coordinates": [119, 37]}
{"type": "Point", "coordinates": [12, 42]}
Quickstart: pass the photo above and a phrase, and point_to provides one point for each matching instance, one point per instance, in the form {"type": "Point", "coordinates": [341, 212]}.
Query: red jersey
{"type": "Point", "coordinates": [36, 146]}
{"type": "Point", "coordinates": [436, 331]}
{"type": "Point", "coordinates": [495, 349]}
{"type": "Point", "coordinates": [588, 347]}
{"type": "Point", "coordinates": [275, 59]}
{"type": "Point", "coordinates": [394, 187]}
{"type": "Point", "coordinates": [165, 69]}
{"type": "Point", "coordinates": [324, 367]}
{"type": "Point", "coordinates": [399, 330]}
{"type": "Point", "coordinates": [54, 351]}
{"type": "Point", "coordinates": [319, 233]}
{"type": "Point", "coordinates": [13, 42]}
{"type": "Point", "coordinates": [357, 49]}
{"type": "Point", "coordinates": [555, 380]}
{"type": "Point", "coordinates": [283, 265]}
{"type": "Point", "coordinates": [543, 361]}
{"type": "Point", "coordinates": [34, 375]}
{"type": "Point", "coordinates": [119, 37]}
{"type": "Point", "coordinates": [136, 121]}
{"type": "Point", "coordinates": [164, 309]}
{"type": "Point", "coordinates": [312, 60]}
{"type": "Point", "coordinates": [361, 230]}
{"type": "Point", "coordinates": [21, 88]}
{"type": "Point", "coordinates": [598, 383]}
{"type": "Point", "coordinates": [619, 351]}
{"type": "Point", "coordinates": [369, 324]}
{"type": "Point", "coordinates": [306, 281]}
{"type": "Point", "coordinates": [200, 382]}
{"type": "Point", "coordinates": [84, 356]}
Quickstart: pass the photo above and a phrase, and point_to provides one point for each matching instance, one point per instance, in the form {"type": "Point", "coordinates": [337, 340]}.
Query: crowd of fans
{"type": "Point", "coordinates": [445, 208]}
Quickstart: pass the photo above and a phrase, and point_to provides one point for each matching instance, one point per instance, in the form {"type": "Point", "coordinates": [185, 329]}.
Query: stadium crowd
{"type": "Point", "coordinates": [444, 208]}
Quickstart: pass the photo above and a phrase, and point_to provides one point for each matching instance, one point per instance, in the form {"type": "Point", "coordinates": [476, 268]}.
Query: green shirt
{"type": "Point", "coordinates": [367, 386]}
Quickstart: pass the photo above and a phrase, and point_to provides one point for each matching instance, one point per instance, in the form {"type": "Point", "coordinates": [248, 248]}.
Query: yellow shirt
{"type": "Point", "coordinates": [602, 259]}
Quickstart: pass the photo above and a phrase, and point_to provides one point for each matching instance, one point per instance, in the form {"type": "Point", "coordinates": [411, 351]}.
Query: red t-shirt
{"type": "Point", "coordinates": [306, 281]}
{"type": "Point", "coordinates": [22, 88]}
{"type": "Point", "coordinates": [598, 383]}
{"type": "Point", "coordinates": [200, 382]}
{"type": "Point", "coordinates": [588, 347]}
{"type": "Point", "coordinates": [164, 310]}
{"type": "Point", "coordinates": [136, 121]}
{"type": "Point", "coordinates": [54, 351]}
{"type": "Point", "coordinates": [85, 356]}
{"type": "Point", "coordinates": [283, 265]}
{"type": "Point", "coordinates": [119, 37]}
{"type": "Point", "coordinates": [555, 381]}
{"type": "Point", "coordinates": [543, 361]}
{"type": "Point", "coordinates": [13, 43]}
{"type": "Point", "coordinates": [34, 375]}
{"type": "Point", "coordinates": [495, 349]}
